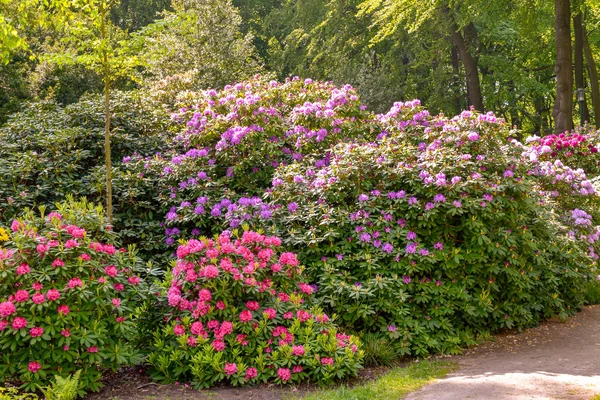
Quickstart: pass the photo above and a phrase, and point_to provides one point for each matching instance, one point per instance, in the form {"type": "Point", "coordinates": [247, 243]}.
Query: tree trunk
{"type": "Point", "coordinates": [578, 61]}
{"type": "Point", "coordinates": [563, 106]}
{"type": "Point", "coordinates": [107, 161]}
{"type": "Point", "coordinates": [471, 70]}
{"type": "Point", "coordinates": [593, 72]}
{"type": "Point", "coordinates": [474, 96]}
{"type": "Point", "coordinates": [456, 71]}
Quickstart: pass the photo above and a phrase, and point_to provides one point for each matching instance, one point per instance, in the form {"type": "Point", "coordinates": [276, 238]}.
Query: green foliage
{"type": "Point", "coordinates": [197, 45]}
{"type": "Point", "coordinates": [435, 233]}
{"type": "Point", "coordinates": [12, 393]}
{"type": "Point", "coordinates": [51, 151]}
{"type": "Point", "coordinates": [379, 350]}
{"type": "Point", "coordinates": [67, 298]}
{"type": "Point", "coordinates": [63, 388]}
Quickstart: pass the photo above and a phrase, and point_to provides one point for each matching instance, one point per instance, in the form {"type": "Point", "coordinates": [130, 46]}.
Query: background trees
{"type": "Point", "coordinates": [522, 59]}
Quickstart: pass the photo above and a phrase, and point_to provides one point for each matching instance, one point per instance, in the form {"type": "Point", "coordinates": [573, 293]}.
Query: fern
{"type": "Point", "coordinates": [63, 388]}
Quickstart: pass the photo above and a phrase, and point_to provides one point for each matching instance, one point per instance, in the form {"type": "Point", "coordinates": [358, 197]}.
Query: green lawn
{"type": "Point", "coordinates": [394, 385]}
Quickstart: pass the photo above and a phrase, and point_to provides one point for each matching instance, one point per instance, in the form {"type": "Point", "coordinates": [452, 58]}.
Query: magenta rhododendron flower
{"type": "Point", "coordinates": [284, 374]}
{"type": "Point", "coordinates": [230, 368]}
{"type": "Point", "coordinates": [34, 367]}
{"type": "Point", "coordinates": [36, 331]}
{"type": "Point", "coordinates": [19, 323]}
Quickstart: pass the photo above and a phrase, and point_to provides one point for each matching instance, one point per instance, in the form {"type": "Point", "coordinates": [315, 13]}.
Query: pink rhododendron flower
{"type": "Point", "coordinates": [252, 305]}
{"type": "Point", "coordinates": [37, 286]}
{"type": "Point", "coordinates": [15, 225]}
{"type": "Point", "coordinates": [179, 330]}
{"type": "Point", "coordinates": [119, 287]}
{"type": "Point", "coordinates": [230, 369]}
{"type": "Point", "coordinates": [38, 298]}
{"type": "Point", "coordinates": [19, 323]}
{"type": "Point", "coordinates": [251, 373]}
{"type": "Point", "coordinates": [204, 295]}
{"type": "Point", "coordinates": [284, 374]}
{"type": "Point", "coordinates": [23, 269]}
{"type": "Point", "coordinates": [34, 366]}
{"type": "Point", "coordinates": [326, 361]}
{"type": "Point", "coordinates": [64, 309]}
{"type": "Point", "coordinates": [65, 332]}
{"type": "Point", "coordinates": [58, 263]}
{"type": "Point", "coordinates": [71, 243]}
{"type": "Point", "coordinates": [75, 282]}
{"type": "Point", "coordinates": [42, 248]}
{"type": "Point", "coordinates": [21, 296]}
{"type": "Point", "coordinates": [36, 331]}
{"type": "Point", "coordinates": [116, 302]}
{"type": "Point", "coordinates": [111, 271]}
{"type": "Point", "coordinates": [270, 312]}
{"type": "Point", "coordinates": [134, 280]}
{"type": "Point", "coordinates": [92, 349]}
{"type": "Point", "coordinates": [53, 295]}
{"type": "Point", "coordinates": [246, 316]}
{"type": "Point", "coordinates": [218, 345]}
{"type": "Point", "coordinates": [298, 350]}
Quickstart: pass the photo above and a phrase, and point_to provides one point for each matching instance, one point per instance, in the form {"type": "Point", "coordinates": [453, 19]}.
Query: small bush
{"type": "Point", "coordinates": [66, 298]}
{"type": "Point", "coordinates": [239, 313]}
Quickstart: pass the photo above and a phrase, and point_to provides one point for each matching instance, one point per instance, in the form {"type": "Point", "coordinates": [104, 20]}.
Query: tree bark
{"type": "Point", "coordinates": [593, 73]}
{"type": "Point", "coordinates": [456, 73]}
{"type": "Point", "coordinates": [578, 61]}
{"type": "Point", "coordinates": [474, 96]}
{"type": "Point", "coordinates": [563, 106]}
{"type": "Point", "coordinates": [107, 160]}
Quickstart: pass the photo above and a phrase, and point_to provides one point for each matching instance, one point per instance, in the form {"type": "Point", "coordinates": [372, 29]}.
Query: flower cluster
{"type": "Point", "coordinates": [239, 312]}
{"type": "Point", "coordinates": [63, 297]}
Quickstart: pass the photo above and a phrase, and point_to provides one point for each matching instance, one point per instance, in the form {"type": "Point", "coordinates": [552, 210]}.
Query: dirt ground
{"type": "Point", "coordinates": [557, 360]}
{"type": "Point", "coordinates": [553, 361]}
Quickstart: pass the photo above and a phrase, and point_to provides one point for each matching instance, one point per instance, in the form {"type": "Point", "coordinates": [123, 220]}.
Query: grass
{"type": "Point", "coordinates": [394, 385]}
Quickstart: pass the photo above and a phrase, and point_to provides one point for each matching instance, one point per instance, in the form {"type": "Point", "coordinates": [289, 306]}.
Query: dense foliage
{"type": "Point", "coordinates": [239, 311]}
{"type": "Point", "coordinates": [66, 298]}
{"type": "Point", "coordinates": [435, 232]}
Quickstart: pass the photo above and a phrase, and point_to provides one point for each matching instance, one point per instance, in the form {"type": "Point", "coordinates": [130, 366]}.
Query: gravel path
{"type": "Point", "coordinates": [553, 361]}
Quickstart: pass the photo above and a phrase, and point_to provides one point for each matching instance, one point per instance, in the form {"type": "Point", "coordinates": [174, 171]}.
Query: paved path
{"type": "Point", "coordinates": [553, 361]}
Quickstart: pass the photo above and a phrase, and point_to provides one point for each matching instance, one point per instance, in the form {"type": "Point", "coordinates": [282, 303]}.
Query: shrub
{"type": "Point", "coordinates": [49, 151]}
{"type": "Point", "coordinates": [434, 233]}
{"type": "Point", "coordinates": [239, 313]}
{"type": "Point", "coordinates": [66, 298]}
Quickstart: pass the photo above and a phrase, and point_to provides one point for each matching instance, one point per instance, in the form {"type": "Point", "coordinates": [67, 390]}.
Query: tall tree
{"type": "Point", "coordinates": [389, 15]}
{"type": "Point", "coordinates": [94, 41]}
{"type": "Point", "coordinates": [578, 60]}
{"type": "Point", "coordinates": [593, 74]}
{"type": "Point", "coordinates": [563, 106]}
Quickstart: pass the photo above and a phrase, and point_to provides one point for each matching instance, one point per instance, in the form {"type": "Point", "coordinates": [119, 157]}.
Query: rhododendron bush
{"type": "Point", "coordinates": [241, 313]}
{"type": "Point", "coordinates": [436, 232]}
{"type": "Point", "coordinates": [232, 141]}
{"type": "Point", "coordinates": [66, 298]}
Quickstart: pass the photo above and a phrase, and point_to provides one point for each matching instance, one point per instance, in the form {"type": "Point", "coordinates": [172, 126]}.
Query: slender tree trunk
{"type": "Point", "coordinates": [474, 96]}
{"type": "Point", "coordinates": [456, 72]}
{"type": "Point", "coordinates": [471, 70]}
{"type": "Point", "coordinates": [107, 161]}
{"type": "Point", "coordinates": [593, 72]}
{"type": "Point", "coordinates": [578, 60]}
{"type": "Point", "coordinates": [563, 106]}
